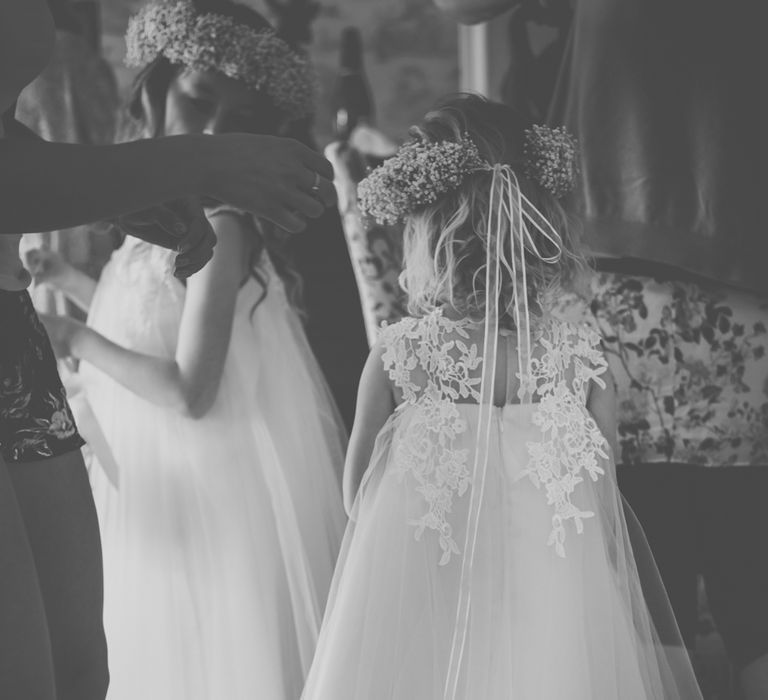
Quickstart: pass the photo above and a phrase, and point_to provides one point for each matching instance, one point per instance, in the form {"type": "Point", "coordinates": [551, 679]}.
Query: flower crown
{"type": "Point", "coordinates": [259, 58]}
{"type": "Point", "coordinates": [551, 158]}
{"type": "Point", "coordinates": [421, 172]}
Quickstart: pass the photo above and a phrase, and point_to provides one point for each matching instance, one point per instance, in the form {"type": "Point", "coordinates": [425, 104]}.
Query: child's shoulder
{"type": "Point", "coordinates": [432, 326]}
{"type": "Point", "coordinates": [390, 331]}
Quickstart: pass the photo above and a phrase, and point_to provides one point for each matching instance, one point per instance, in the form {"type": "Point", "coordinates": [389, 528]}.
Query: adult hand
{"type": "Point", "coordinates": [179, 225]}
{"type": "Point", "coordinates": [277, 179]}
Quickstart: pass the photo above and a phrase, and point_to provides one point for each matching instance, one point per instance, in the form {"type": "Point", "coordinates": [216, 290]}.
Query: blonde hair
{"type": "Point", "coordinates": [445, 243]}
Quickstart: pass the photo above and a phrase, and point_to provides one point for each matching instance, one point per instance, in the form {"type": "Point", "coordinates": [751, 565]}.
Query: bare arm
{"type": "Point", "coordinates": [46, 186]}
{"type": "Point", "coordinates": [49, 268]}
{"type": "Point", "coordinates": [79, 288]}
{"type": "Point", "coordinates": [375, 404]}
{"type": "Point", "coordinates": [190, 381]}
{"type": "Point", "coordinates": [601, 403]}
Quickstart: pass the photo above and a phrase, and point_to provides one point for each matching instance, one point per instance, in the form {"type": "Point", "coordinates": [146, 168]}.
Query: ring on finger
{"type": "Point", "coordinates": [316, 186]}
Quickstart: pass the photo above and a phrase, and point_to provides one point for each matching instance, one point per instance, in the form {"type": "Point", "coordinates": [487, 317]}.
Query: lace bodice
{"type": "Point", "coordinates": [436, 366]}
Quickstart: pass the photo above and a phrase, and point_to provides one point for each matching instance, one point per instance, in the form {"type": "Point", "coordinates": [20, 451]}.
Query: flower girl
{"type": "Point", "coordinates": [217, 482]}
{"type": "Point", "coordinates": [488, 554]}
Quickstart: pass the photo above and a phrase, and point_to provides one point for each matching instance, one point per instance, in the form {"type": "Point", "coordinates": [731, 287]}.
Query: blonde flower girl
{"type": "Point", "coordinates": [489, 554]}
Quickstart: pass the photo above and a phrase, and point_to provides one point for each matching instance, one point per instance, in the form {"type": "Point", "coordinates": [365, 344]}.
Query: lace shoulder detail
{"type": "Point", "coordinates": [439, 352]}
{"type": "Point", "coordinates": [432, 361]}
{"type": "Point", "coordinates": [437, 346]}
{"type": "Point", "coordinates": [572, 443]}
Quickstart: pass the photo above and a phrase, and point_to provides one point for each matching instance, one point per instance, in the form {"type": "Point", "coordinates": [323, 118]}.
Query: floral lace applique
{"type": "Point", "coordinates": [437, 351]}
{"type": "Point", "coordinates": [440, 348]}
{"type": "Point", "coordinates": [572, 441]}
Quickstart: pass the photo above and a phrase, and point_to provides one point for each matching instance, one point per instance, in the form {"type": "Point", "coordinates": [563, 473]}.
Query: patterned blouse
{"type": "Point", "coordinates": [35, 419]}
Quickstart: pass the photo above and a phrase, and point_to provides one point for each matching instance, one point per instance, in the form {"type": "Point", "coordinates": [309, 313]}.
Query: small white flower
{"type": "Point", "coordinates": [214, 42]}
{"type": "Point", "coordinates": [418, 175]}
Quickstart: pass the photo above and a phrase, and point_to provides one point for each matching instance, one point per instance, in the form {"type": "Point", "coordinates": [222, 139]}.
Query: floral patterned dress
{"type": "Point", "coordinates": [35, 418]}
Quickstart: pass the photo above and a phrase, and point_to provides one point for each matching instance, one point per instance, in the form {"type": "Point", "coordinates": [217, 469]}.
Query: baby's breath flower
{"type": "Point", "coordinates": [421, 172]}
{"type": "Point", "coordinates": [551, 158]}
{"type": "Point", "coordinates": [418, 175]}
{"type": "Point", "coordinates": [260, 59]}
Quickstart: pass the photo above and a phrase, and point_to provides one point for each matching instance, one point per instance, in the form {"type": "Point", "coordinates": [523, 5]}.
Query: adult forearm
{"type": "Point", "coordinates": [45, 186]}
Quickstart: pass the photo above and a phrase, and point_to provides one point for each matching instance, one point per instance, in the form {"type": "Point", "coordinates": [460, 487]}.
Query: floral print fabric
{"type": "Point", "coordinates": [35, 418]}
{"type": "Point", "coordinates": [690, 365]}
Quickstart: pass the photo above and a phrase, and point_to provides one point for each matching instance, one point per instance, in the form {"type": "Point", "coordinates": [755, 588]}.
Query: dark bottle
{"type": "Point", "coordinates": [352, 100]}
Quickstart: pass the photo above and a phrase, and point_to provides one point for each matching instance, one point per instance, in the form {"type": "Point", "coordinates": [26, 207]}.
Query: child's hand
{"type": "Point", "coordinates": [47, 267]}
{"type": "Point", "coordinates": [63, 332]}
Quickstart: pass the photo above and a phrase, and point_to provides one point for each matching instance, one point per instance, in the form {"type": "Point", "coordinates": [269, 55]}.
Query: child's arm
{"type": "Point", "coordinates": [190, 381]}
{"type": "Point", "coordinates": [375, 404]}
{"type": "Point", "coordinates": [51, 269]}
{"type": "Point", "coordinates": [601, 403]}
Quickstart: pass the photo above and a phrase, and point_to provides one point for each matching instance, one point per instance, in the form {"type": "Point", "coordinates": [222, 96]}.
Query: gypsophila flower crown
{"type": "Point", "coordinates": [421, 172]}
{"type": "Point", "coordinates": [551, 157]}
{"type": "Point", "coordinates": [259, 58]}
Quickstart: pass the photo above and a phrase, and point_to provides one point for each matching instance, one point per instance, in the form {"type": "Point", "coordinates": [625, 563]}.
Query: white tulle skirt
{"type": "Point", "coordinates": [541, 627]}
{"type": "Point", "coordinates": [220, 534]}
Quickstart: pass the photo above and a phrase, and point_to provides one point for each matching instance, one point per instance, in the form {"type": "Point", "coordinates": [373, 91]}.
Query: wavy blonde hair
{"type": "Point", "coordinates": [445, 243]}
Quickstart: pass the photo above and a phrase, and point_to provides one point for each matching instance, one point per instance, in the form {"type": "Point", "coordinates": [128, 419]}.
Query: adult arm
{"type": "Point", "coordinates": [46, 186]}
{"type": "Point", "coordinates": [375, 404]}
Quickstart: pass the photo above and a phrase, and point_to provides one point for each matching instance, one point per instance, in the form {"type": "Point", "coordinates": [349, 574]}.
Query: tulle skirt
{"type": "Point", "coordinates": [541, 627]}
{"type": "Point", "coordinates": [219, 534]}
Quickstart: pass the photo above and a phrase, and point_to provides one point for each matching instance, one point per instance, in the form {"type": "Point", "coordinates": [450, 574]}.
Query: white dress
{"type": "Point", "coordinates": [219, 534]}
{"type": "Point", "coordinates": [556, 608]}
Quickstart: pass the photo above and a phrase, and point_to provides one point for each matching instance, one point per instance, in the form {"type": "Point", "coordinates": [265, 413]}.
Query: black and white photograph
{"type": "Point", "coordinates": [383, 350]}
